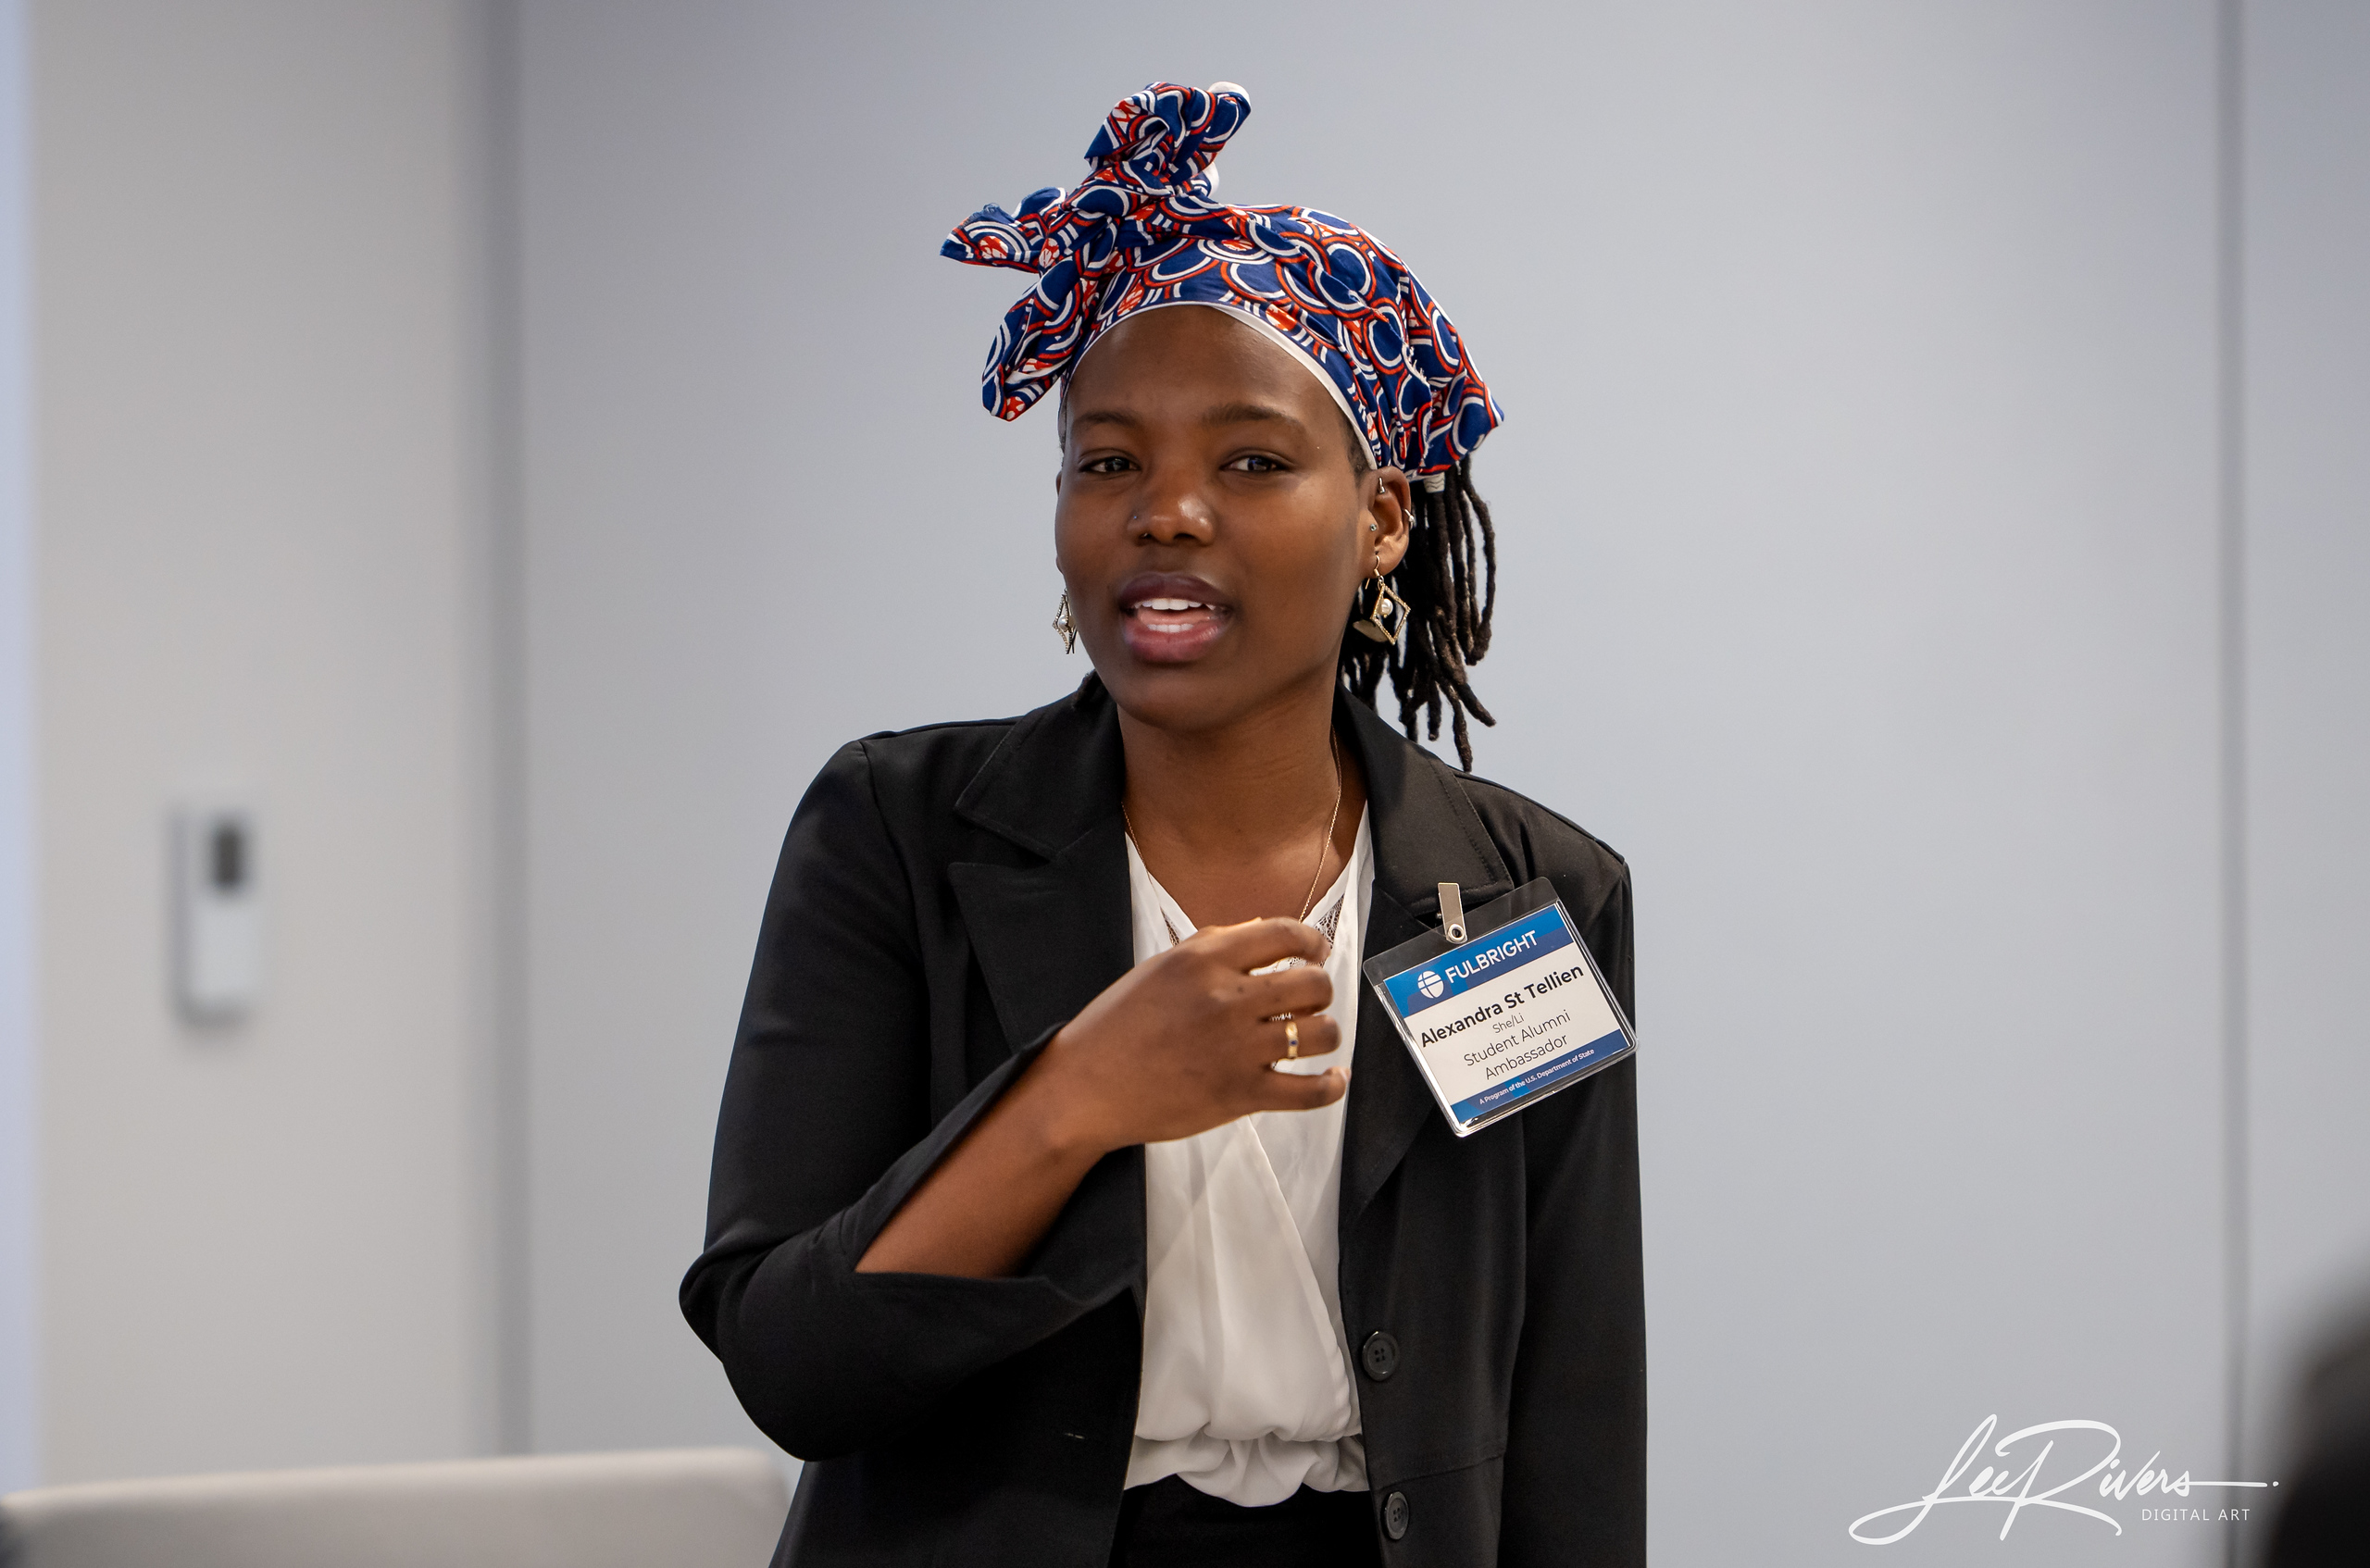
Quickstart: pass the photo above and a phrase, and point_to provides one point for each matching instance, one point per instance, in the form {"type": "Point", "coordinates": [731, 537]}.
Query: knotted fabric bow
{"type": "Point", "coordinates": [1142, 231]}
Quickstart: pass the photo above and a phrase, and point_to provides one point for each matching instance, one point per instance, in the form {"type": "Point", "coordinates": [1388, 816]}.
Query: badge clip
{"type": "Point", "coordinates": [1452, 912]}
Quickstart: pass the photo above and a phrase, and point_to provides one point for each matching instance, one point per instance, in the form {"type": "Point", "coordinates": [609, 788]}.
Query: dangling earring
{"type": "Point", "coordinates": [1066, 624]}
{"type": "Point", "coordinates": [1386, 612]}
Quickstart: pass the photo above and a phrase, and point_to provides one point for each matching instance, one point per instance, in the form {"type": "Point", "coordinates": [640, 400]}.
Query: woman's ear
{"type": "Point", "coordinates": [1390, 512]}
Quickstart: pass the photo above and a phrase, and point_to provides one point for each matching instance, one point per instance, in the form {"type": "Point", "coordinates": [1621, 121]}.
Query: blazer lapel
{"type": "Point", "coordinates": [1050, 937]}
{"type": "Point", "coordinates": [1426, 832]}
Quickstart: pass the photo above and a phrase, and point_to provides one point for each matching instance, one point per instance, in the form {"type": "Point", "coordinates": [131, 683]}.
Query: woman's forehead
{"type": "Point", "coordinates": [1169, 346]}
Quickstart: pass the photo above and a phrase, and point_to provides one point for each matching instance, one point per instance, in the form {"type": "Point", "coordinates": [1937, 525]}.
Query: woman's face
{"type": "Point", "coordinates": [1209, 524]}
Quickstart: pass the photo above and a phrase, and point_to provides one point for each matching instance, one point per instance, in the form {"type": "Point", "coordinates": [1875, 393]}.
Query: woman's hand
{"type": "Point", "coordinates": [1181, 1042]}
{"type": "Point", "coordinates": [1178, 1045]}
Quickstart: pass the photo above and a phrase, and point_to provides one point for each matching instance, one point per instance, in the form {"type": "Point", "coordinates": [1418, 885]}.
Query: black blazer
{"type": "Point", "coordinates": [946, 899]}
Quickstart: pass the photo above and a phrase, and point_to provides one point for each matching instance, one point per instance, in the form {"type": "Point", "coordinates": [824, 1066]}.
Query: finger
{"type": "Point", "coordinates": [1271, 1041]}
{"type": "Point", "coordinates": [1254, 944]}
{"type": "Point", "coordinates": [1286, 991]}
{"type": "Point", "coordinates": [1302, 1091]}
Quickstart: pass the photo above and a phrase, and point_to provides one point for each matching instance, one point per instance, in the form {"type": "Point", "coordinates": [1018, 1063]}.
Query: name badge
{"type": "Point", "coordinates": [1503, 1019]}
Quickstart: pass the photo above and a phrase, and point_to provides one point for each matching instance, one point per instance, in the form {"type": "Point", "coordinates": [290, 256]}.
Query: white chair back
{"type": "Point", "coordinates": [678, 1508]}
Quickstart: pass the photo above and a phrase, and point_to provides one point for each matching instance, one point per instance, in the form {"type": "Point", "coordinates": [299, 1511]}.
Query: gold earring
{"type": "Point", "coordinates": [1386, 612]}
{"type": "Point", "coordinates": [1066, 624]}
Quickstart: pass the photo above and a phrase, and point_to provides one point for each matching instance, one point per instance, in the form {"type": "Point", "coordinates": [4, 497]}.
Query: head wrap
{"type": "Point", "coordinates": [1142, 231]}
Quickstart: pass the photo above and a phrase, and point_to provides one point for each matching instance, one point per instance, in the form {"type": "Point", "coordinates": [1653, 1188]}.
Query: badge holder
{"type": "Point", "coordinates": [1501, 1019]}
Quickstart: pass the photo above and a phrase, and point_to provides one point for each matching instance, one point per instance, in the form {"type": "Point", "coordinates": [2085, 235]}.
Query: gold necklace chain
{"type": "Point", "coordinates": [1323, 844]}
{"type": "Point", "coordinates": [1331, 822]}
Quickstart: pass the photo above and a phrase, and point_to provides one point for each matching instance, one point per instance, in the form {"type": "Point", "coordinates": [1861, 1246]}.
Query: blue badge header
{"type": "Point", "coordinates": [1477, 961]}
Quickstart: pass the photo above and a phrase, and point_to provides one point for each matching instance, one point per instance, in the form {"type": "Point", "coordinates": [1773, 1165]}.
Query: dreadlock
{"type": "Point", "coordinates": [1449, 578]}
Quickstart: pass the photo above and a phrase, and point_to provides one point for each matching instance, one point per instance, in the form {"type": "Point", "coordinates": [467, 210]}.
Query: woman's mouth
{"type": "Point", "coordinates": [1171, 622]}
{"type": "Point", "coordinates": [1172, 617]}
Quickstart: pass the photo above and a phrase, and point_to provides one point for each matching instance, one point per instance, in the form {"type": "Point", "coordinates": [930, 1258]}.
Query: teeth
{"type": "Point", "coordinates": [1169, 604]}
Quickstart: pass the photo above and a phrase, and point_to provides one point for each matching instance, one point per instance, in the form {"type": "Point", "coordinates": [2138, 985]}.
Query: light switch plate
{"type": "Point", "coordinates": [218, 910]}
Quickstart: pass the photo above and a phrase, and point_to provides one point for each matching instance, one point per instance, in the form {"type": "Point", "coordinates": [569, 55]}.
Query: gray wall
{"type": "Point", "coordinates": [2307, 566]}
{"type": "Point", "coordinates": [19, 1121]}
{"type": "Point", "coordinates": [258, 245]}
{"type": "Point", "coordinates": [1859, 507]}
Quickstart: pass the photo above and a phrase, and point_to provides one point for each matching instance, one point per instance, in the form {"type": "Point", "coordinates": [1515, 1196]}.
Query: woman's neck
{"type": "Point", "coordinates": [1229, 820]}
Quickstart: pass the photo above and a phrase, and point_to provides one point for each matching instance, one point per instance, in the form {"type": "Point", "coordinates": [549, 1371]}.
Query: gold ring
{"type": "Point", "coordinates": [1291, 1040]}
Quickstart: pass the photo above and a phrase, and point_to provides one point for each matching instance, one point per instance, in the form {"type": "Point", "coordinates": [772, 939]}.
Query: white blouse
{"type": "Point", "coordinates": [1248, 1390]}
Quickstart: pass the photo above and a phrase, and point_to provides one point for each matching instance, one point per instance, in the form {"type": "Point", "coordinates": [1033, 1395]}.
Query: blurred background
{"type": "Point", "coordinates": [486, 453]}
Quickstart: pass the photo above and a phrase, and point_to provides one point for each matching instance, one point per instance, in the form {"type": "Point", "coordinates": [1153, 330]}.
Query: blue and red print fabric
{"type": "Point", "coordinates": [1142, 231]}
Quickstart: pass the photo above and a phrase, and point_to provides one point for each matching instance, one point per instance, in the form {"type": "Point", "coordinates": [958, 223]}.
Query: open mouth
{"type": "Point", "coordinates": [1174, 617]}
{"type": "Point", "coordinates": [1167, 617]}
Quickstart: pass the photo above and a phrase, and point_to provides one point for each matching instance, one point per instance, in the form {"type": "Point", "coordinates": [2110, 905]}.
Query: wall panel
{"type": "Point", "coordinates": [2308, 565]}
{"type": "Point", "coordinates": [259, 511]}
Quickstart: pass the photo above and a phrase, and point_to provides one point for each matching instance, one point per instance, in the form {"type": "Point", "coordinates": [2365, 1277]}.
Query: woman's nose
{"type": "Point", "coordinates": [1171, 510]}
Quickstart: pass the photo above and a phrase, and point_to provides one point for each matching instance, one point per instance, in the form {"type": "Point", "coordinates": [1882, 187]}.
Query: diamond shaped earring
{"type": "Point", "coordinates": [1386, 612]}
{"type": "Point", "coordinates": [1066, 624]}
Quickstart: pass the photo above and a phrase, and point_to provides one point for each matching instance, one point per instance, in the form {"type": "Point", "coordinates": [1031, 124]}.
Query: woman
{"type": "Point", "coordinates": [1050, 1222]}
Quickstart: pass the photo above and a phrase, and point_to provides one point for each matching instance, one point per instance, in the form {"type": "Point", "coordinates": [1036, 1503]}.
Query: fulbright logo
{"type": "Point", "coordinates": [1460, 970]}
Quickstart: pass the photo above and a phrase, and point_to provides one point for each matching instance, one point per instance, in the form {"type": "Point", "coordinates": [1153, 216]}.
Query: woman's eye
{"type": "Point", "coordinates": [1111, 464]}
{"type": "Point", "coordinates": [1257, 463]}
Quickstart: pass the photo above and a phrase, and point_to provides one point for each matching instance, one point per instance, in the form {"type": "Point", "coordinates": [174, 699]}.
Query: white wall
{"type": "Point", "coordinates": [19, 1122]}
{"type": "Point", "coordinates": [1888, 512]}
{"type": "Point", "coordinates": [1858, 501]}
{"type": "Point", "coordinates": [2308, 407]}
{"type": "Point", "coordinates": [260, 518]}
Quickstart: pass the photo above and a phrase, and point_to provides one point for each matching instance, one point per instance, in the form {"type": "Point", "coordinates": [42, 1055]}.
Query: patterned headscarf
{"type": "Point", "coordinates": [1142, 231]}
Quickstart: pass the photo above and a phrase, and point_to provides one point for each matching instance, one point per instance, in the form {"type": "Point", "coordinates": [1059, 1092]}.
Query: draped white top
{"type": "Point", "coordinates": [1248, 1392]}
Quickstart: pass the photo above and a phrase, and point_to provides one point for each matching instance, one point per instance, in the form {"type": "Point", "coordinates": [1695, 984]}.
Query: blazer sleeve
{"type": "Point", "coordinates": [825, 1131]}
{"type": "Point", "coordinates": [1575, 1458]}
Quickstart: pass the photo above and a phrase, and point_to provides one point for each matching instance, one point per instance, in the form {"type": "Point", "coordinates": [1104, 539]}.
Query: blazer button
{"type": "Point", "coordinates": [1394, 1517]}
{"type": "Point", "coordinates": [1379, 1356]}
